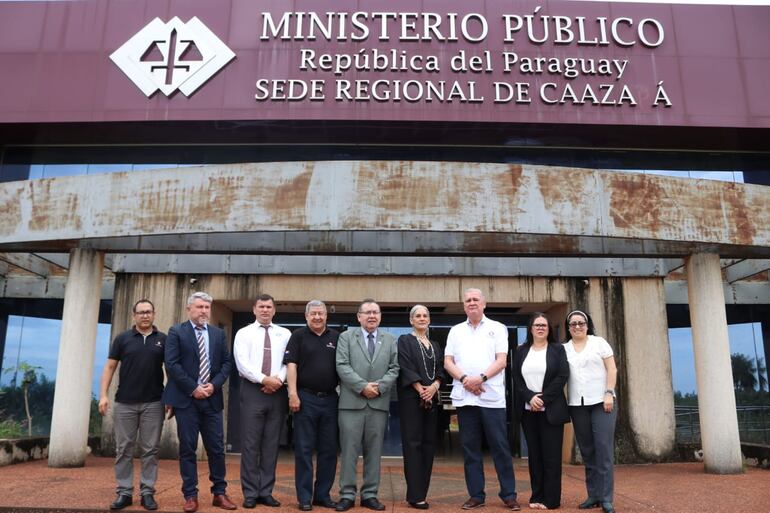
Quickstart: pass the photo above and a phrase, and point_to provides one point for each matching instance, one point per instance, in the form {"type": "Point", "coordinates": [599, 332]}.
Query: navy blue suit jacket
{"type": "Point", "coordinates": [183, 365]}
{"type": "Point", "coordinates": [556, 375]}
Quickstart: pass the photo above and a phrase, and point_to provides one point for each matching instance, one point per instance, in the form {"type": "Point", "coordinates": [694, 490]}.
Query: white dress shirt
{"type": "Point", "coordinates": [533, 370]}
{"type": "Point", "coordinates": [474, 350]}
{"type": "Point", "coordinates": [587, 373]}
{"type": "Point", "coordinates": [248, 350]}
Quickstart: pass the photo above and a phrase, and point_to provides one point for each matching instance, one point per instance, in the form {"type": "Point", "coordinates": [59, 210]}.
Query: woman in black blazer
{"type": "Point", "coordinates": [540, 372]}
{"type": "Point", "coordinates": [421, 363]}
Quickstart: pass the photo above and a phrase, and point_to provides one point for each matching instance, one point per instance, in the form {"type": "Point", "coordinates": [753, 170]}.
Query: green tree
{"type": "Point", "coordinates": [29, 378]}
{"type": "Point", "coordinates": [748, 373]}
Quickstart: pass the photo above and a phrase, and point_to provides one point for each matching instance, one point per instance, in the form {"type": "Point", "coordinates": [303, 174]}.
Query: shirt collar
{"type": "Point", "coordinates": [468, 321]}
{"type": "Point", "coordinates": [205, 327]}
{"type": "Point", "coordinates": [137, 332]}
{"type": "Point", "coordinates": [366, 334]}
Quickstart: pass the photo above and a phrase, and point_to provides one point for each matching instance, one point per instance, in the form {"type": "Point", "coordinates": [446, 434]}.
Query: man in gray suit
{"type": "Point", "coordinates": [367, 364]}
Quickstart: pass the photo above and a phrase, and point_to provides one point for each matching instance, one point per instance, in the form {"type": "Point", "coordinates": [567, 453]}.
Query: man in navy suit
{"type": "Point", "coordinates": [198, 363]}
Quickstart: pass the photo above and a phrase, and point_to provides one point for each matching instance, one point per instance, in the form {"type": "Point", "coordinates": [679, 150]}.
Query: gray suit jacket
{"type": "Point", "coordinates": [355, 369]}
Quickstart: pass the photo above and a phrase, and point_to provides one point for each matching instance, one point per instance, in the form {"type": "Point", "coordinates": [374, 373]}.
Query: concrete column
{"type": "Point", "coordinates": [74, 371]}
{"type": "Point", "coordinates": [713, 372]}
{"type": "Point", "coordinates": [649, 388]}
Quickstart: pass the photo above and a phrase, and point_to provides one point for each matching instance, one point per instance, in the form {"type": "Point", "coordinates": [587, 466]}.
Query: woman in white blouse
{"type": "Point", "coordinates": [591, 398]}
{"type": "Point", "coordinates": [540, 371]}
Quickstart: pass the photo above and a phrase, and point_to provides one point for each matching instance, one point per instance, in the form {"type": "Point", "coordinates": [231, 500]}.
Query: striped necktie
{"type": "Point", "coordinates": [204, 374]}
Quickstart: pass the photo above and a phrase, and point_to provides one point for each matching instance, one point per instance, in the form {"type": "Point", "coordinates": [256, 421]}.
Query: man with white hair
{"type": "Point", "coordinates": [475, 357]}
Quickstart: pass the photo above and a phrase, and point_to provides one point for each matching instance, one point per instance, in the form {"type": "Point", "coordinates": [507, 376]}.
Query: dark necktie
{"type": "Point", "coordinates": [370, 344]}
{"type": "Point", "coordinates": [266, 353]}
{"type": "Point", "coordinates": [204, 371]}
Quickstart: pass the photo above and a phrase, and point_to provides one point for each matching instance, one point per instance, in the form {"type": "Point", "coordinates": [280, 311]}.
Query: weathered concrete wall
{"type": "Point", "coordinates": [647, 372]}
{"type": "Point", "coordinates": [598, 212]}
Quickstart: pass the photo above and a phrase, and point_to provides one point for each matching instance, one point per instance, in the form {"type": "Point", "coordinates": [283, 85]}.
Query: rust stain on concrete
{"type": "Point", "coordinates": [638, 203]}
{"type": "Point", "coordinates": [741, 213]}
{"type": "Point", "coordinates": [286, 200]}
{"type": "Point", "coordinates": [568, 195]}
{"type": "Point", "coordinates": [10, 208]}
{"type": "Point", "coordinates": [53, 206]}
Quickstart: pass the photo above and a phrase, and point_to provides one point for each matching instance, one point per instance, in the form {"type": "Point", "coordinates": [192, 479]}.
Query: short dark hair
{"type": "Point", "coordinates": [133, 309]}
{"type": "Point", "coordinates": [265, 297]}
{"type": "Point", "coordinates": [551, 335]}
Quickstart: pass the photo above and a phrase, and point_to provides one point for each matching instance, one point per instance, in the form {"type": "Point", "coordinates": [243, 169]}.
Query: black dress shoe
{"type": "Point", "coordinates": [344, 505]}
{"type": "Point", "coordinates": [589, 503]}
{"type": "Point", "coordinates": [148, 502]}
{"type": "Point", "coordinates": [325, 503]}
{"type": "Point", "coordinates": [419, 505]}
{"type": "Point", "coordinates": [373, 503]}
{"type": "Point", "coordinates": [121, 502]}
{"type": "Point", "coordinates": [250, 503]}
{"type": "Point", "coordinates": [268, 500]}
{"type": "Point", "coordinates": [305, 506]}
{"type": "Point", "coordinates": [607, 507]}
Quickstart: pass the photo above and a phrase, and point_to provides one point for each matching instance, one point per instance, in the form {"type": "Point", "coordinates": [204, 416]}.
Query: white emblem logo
{"type": "Point", "coordinates": [171, 56]}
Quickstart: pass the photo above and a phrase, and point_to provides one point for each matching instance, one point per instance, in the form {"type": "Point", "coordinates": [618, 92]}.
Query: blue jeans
{"type": "Point", "coordinates": [315, 429]}
{"type": "Point", "coordinates": [491, 422]}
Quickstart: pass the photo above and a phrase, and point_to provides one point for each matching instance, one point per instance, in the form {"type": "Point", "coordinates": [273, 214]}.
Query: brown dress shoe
{"type": "Point", "coordinates": [472, 504]}
{"type": "Point", "coordinates": [190, 505]}
{"type": "Point", "coordinates": [224, 502]}
{"type": "Point", "coordinates": [512, 504]}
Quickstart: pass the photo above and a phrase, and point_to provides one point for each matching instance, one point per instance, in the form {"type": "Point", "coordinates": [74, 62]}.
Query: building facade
{"type": "Point", "coordinates": [151, 149]}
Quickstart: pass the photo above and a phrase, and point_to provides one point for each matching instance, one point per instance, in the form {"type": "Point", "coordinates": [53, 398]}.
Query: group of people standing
{"type": "Point", "coordinates": [339, 387]}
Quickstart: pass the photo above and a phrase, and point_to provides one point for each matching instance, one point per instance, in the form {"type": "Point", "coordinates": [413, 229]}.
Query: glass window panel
{"type": "Point", "coordinates": [52, 170]}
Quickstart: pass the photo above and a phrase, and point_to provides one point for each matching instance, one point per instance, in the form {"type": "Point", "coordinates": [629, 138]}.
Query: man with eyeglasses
{"type": "Point", "coordinates": [367, 364]}
{"type": "Point", "coordinates": [475, 357]}
{"type": "Point", "coordinates": [138, 408]}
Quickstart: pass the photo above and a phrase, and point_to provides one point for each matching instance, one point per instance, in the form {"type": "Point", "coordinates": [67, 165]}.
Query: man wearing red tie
{"type": "Point", "coordinates": [258, 351]}
{"type": "Point", "coordinates": [198, 363]}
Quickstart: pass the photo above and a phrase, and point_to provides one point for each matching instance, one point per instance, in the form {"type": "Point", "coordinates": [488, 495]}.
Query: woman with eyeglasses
{"type": "Point", "coordinates": [591, 398]}
{"type": "Point", "coordinates": [540, 371]}
{"type": "Point", "coordinates": [421, 372]}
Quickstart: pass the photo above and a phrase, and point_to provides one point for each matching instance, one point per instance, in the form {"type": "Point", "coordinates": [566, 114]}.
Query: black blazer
{"type": "Point", "coordinates": [182, 365]}
{"type": "Point", "coordinates": [556, 375]}
{"type": "Point", "coordinates": [411, 366]}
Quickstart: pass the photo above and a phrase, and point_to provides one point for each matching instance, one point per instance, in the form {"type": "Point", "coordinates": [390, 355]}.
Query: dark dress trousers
{"type": "Point", "coordinates": [197, 416]}
{"type": "Point", "coordinates": [419, 425]}
{"type": "Point", "coordinates": [544, 431]}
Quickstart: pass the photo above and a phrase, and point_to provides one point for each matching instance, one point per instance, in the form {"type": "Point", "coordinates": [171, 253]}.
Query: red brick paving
{"type": "Point", "coordinates": [663, 488]}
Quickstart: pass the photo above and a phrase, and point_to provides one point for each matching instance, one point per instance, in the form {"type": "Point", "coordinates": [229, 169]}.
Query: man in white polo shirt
{"type": "Point", "coordinates": [475, 357]}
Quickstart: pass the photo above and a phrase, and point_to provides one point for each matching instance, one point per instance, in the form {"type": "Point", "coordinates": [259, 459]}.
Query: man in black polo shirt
{"type": "Point", "coordinates": [312, 381]}
{"type": "Point", "coordinates": [137, 403]}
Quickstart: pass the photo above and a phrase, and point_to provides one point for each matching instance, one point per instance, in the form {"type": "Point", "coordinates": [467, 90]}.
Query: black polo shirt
{"type": "Point", "coordinates": [141, 365]}
{"type": "Point", "coordinates": [315, 357]}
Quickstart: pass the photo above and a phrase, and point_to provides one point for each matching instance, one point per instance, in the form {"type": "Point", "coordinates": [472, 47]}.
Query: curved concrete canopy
{"type": "Point", "coordinates": [394, 207]}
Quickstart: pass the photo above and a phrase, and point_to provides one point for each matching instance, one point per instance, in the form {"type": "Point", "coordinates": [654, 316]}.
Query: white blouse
{"type": "Point", "coordinates": [587, 373]}
{"type": "Point", "coordinates": [533, 371]}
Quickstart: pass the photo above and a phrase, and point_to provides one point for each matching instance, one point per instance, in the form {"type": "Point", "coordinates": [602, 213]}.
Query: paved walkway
{"type": "Point", "coordinates": [663, 488]}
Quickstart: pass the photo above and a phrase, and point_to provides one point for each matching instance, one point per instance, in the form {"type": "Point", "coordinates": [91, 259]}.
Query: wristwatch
{"type": "Point", "coordinates": [462, 378]}
{"type": "Point", "coordinates": [484, 377]}
{"type": "Point", "coordinates": [611, 391]}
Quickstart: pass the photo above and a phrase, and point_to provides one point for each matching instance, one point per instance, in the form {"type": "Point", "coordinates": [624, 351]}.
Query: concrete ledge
{"type": "Point", "coordinates": [19, 450]}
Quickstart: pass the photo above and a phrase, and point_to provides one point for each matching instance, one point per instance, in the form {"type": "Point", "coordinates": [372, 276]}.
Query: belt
{"type": "Point", "coordinates": [315, 393]}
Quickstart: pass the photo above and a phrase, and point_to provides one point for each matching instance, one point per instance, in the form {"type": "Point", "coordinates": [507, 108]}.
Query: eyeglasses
{"type": "Point", "coordinates": [144, 312]}
{"type": "Point", "coordinates": [370, 312]}
{"type": "Point", "coordinates": [540, 326]}
{"type": "Point", "coordinates": [577, 324]}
